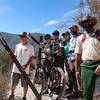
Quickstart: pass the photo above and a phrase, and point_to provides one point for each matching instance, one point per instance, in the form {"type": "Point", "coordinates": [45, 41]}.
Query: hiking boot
{"type": "Point", "coordinates": [78, 92]}
{"type": "Point", "coordinates": [24, 98]}
{"type": "Point", "coordinates": [67, 92]}
{"type": "Point", "coordinates": [73, 95]}
{"type": "Point", "coordinates": [11, 97]}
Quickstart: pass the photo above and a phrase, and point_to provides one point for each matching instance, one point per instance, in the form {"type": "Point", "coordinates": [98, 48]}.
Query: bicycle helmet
{"type": "Point", "coordinates": [47, 36]}
{"type": "Point", "coordinates": [66, 33]}
{"type": "Point", "coordinates": [56, 32]}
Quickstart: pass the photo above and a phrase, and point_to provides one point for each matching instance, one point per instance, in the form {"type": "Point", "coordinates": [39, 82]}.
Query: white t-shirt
{"type": "Point", "coordinates": [91, 49]}
{"type": "Point", "coordinates": [72, 43]}
{"type": "Point", "coordinates": [23, 54]}
{"type": "Point", "coordinates": [80, 40]}
{"type": "Point", "coordinates": [88, 46]}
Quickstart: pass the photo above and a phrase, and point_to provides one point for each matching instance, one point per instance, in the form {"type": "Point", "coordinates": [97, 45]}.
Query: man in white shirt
{"type": "Point", "coordinates": [88, 50]}
{"type": "Point", "coordinates": [24, 53]}
{"type": "Point", "coordinates": [72, 91]}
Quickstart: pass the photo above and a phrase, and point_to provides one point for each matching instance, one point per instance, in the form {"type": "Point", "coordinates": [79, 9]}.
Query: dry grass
{"type": "Point", "coordinates": [4, 81]}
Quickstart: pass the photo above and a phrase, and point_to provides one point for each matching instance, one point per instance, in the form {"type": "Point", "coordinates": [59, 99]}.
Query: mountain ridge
{"type": "Point", "coordinates": [13, 39]}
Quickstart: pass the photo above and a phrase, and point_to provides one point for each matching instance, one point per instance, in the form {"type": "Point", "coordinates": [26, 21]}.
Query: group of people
{"type": "Point", "coordinates": [62, 51]}
{"type": "Point", "coordinates": [78, 52]}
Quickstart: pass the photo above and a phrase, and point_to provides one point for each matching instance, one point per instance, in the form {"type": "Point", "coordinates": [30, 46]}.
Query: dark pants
{"type": "Point", "coordinates": [59, 61]}
{"type": "Point", "coordinates": [72, 80]}
{"type": "Point", "coordinates": [88, 79]}
{"type": "Point", "coordinates": [15, 79]}
{"type": "Point", "coordinates": [47, 68]}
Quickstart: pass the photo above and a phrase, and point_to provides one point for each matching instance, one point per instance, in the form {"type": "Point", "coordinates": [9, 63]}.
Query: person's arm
{"type": "Point", "coordinates": [15, 52]}
{"type": "Point", "coordinates": [78, 50]}
{"type": "Point", "coordinates": [28, 63]}
{"type": "Point", "coordinates": [78, 53]}
{"type": "Point", "coordinates": [77, 70]}
{"type": "Point", "coordinates": [32, 55]}
{"type": "Point", "coordinates": [97, 71]}
{"type": "Point", "coordinates": [77, 62]}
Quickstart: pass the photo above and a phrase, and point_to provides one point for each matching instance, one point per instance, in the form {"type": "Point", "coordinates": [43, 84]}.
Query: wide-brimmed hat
{"type": "Point", "coordinates": [65, 33]}
{"type": "Point", "coordinates": [88, 21]}
{"type": "Point", "coordinates": [56, 32]}
{"type": "Point", "coordinates": [24, 34]}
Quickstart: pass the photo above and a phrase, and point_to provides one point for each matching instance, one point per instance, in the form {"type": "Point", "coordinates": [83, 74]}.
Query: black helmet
{"type": "Point", "coordinates": [88, 22]}
{"type": "Point", "coordinates": [47, 36]}
{"type": "Point", "coordinates": [56, 32]}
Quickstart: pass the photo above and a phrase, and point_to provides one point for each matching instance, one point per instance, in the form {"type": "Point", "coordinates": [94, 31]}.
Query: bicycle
{"type": "Point", "coordinates": [57, 80]}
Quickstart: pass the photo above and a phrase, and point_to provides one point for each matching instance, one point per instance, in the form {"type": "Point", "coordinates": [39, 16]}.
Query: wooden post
{"type": "Point", "coordinates": [4, 43]}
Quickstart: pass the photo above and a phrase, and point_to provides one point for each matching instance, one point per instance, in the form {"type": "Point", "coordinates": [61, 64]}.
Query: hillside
{"type": "Point", "coordinates": [13, 39]}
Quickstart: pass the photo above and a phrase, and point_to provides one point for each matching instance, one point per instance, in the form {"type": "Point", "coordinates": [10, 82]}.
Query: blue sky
{"type": "Point", "coordinates": [43, 16]}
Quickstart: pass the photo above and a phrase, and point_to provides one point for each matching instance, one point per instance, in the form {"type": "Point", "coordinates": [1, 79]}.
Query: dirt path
{"type": "Point", "coordinates": [30, 95]}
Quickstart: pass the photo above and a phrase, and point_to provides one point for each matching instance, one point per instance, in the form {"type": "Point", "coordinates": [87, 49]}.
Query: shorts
{"type": "Point", "coordinates": [15, 79]}
{"type": "Point", "coordinates": [59, 62]}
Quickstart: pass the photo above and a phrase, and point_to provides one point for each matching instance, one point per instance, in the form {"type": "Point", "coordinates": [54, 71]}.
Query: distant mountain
{"type": "Point", "coordinates": [13, 39]}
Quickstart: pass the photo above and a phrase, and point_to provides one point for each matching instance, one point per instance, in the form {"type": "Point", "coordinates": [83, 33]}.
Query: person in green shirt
{"type": "Point", "coordinates": [65, 42]}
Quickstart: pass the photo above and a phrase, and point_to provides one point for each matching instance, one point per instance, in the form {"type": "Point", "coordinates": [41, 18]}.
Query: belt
{"type": "Point", "coordinates": [91, 61]}
{"type": "Point", "coordinates": [71, 51]}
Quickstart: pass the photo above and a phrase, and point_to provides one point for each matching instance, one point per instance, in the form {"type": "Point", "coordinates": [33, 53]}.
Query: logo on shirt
{"type": "Point", "coordinates": [26, 49]}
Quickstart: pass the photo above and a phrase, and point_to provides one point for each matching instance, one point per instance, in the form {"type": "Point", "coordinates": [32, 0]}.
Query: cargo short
{"type": "Point", "coordinates": [15, 79]}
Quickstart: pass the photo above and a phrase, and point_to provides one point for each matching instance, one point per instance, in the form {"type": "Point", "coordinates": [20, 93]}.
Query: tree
{"type": "Point", "coordinates": [89, 7]}
{"type": "Point", "coordinates": [94, 6]}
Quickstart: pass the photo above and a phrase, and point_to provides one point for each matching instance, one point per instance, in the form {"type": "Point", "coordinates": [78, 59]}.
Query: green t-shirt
{"type": "Point", "coordinates": [65, 48]}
